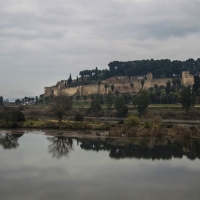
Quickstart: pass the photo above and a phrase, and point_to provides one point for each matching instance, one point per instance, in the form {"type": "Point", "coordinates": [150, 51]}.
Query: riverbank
{"type": "Point", "coordinates": [154, 128]}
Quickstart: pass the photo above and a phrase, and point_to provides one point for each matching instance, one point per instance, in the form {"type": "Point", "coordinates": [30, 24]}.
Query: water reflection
{"type": "Point", "coordinates": [9, 141]}
{"type": "Point", "coordinates": [117, 148]}
{"type": "Point", "coordinates": [146, 149]}
{"type": "Point", "coordinates": [60, 146]}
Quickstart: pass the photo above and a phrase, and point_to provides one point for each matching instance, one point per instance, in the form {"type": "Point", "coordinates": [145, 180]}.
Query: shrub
{"type": "Point", "coordinates": [122, 112]}
{"type": "Point", "coordinates": [132, 120]}
{"type": "Point", "coordinates": [17, 116]}
{"type": "Point", "coordinates": [78, 117]}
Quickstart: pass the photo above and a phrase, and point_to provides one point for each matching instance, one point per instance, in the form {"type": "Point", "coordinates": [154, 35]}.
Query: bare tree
{"type": "Point", "coordinates": [60, 146]}
{"type": "Point", "coordinates": [60, 105]}
{"type": "Point", "coordinates": [9, 141]}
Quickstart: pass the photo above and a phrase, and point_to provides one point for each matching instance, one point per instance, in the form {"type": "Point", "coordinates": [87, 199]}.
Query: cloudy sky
{"type": "Point", "coordinates": [42, 42]}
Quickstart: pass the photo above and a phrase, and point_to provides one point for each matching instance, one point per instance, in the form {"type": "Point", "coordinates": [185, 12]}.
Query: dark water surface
{"type": "Point", "coordinates": [38, 166]}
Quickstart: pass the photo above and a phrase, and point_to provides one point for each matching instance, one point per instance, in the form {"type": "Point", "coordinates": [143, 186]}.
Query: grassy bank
{"type": "Point", "coordinates": [153, 128]}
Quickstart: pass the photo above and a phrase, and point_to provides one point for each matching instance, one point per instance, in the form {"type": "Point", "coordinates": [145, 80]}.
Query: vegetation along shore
{"type": "Point", "coordinates": [123, 104]}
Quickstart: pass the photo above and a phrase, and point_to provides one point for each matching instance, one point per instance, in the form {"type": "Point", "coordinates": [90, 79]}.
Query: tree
{"type": "Point", "coordinates": [158, 93]}
{"type": "Point", "coordinates": [142, 83]}
{"type": "Point", "coordinates": [96, 73]}
{"type": "Point", "coordinates": [119, 102]}
{"type": "Point", "coordinates": [99, 84]}
{"type": "Point", "coordinates": [1, 101]}
{"type": "Point", "coordinates": [141, 101]}
{"type": "Point", "coordinates": [116, 92]}
{"type": "Point", "coordinates": [7, 115]}
{"type": "Point", "coordinates": [85, 97]}
{"type": "Point", "coordinates": [60, 146]}
{"type": "Point", "coordinates": [112, 87]}
{"type": "Point", "coordinates": [18, 101]}
{"type": "Point", "coordinates": [106, 87]}
{"type": "Point", "coordinates": [168, 89]}
{"type": "Point", "coordinates": [60, 105]}
{"type": "Point", "coordinates": [109, 100]}
{"type": "Point", "coordinates": [196, 84]}
{"type": "Point", "coordinates": [8, 141]}
{"type": "Point", "coordinates": [71, 98]}
{"type": "Point", "coordinates": [78, 98]}
{"type": "Point", "coordinates": [131, 85]}
{"type": "Point", "coordinates": [187, 98]}
{"type": "Point", "coordinates": [96, 103]}
{"type": "Point", "coordinates": [81, 74]}
{"type": "Point", "coordinates": [178, 82]}
{"type": "Point", "coordinates": [69, 79]}
{"type": "Point", "coordinates": [17, 116]}
{"type": "Point", "coordinates": [92, 97]}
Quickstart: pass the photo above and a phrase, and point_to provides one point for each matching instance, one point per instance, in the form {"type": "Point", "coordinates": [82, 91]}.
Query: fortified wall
{"type": "Point", "coordinates": [121, 83]}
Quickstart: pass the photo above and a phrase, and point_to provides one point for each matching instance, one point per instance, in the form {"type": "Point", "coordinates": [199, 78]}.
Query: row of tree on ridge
{"type": "Point", "coordinates": [164, 68]}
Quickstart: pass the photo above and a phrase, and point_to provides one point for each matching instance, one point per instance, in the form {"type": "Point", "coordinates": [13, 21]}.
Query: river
{"type": "Point", "coordinates": [36, 165]}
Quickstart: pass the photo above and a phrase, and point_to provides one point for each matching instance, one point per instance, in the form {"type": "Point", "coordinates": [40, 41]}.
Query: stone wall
{"type": "Point", "coordinates": [122, 84]}
{"type": "Point", "coordinates": [49, 91]}
{"type": "Point", "coordinates": [160, 81]}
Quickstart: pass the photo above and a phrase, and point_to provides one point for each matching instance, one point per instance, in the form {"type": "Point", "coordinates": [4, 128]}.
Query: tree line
{"type": "Point", "coordinates": [163, 68]}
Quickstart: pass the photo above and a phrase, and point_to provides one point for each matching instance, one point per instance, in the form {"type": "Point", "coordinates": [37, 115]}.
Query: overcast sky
{"type": "Point", "coordinates": [42, 42]}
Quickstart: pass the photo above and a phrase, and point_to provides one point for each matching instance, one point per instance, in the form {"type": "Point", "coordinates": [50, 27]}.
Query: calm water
{"type": "Point", "coordinates": [38, 166]}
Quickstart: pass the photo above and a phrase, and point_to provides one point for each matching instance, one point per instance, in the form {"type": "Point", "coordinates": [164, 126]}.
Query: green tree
{"type": "Point", "coordinates": [187, 98]}
{"type": "Point", "coordinates": [92, 97]}
{"type": "Point", "coordinates": [119, 102]}
{"type": "Point", "coordinates": [71, 98]}
{"type": "Point", "coordinates": [69, 79]}
{"type": "Point", "coordinates": [168, 89]}
{"type": "Point", "coordinates": [96, 73]}
{"type": "Point", "coordinates": [17, 116]}
{"type": "Point", "coordinates": [85, 97]}
{"type": "Point", "coordinates": [60, 105]}
{"type": "Point", "coordinates": [99, 84]}
{"type": "Point", "coordinates": [1, 101]}
{"type": "Point", "coordinates": [96, 103]}
{"type": "Point", "coordinates": [78, 97]}
{"type": "Point", "coordinates": [116, 92]}
{"type": "Point", "coordinates": [18, 101]}
{"type": "Point", "coordinates": [158, 93]}
{"type": "Point", "coordinates": [141, 101]}
{"type": "Point", "coordinates": [7, 115]}
{"type": "Point", "coordinates": [109, 100]}
{"type": "Point", "coordinates": [142, 83]}
{"type": "Point", "coordinates": [112, 87]}
{"type": "Point", "coordinates": [106, 87]}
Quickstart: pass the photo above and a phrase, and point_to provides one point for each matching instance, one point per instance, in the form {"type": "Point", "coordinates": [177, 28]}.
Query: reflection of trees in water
{"type": "Point", "coordinates": [9, 141]}
{"type": "Point", "coordinates": [61, 146]}
{"type": "Point", "coordinates": [95, 145]}
{"type": "Point", "coordinates": [146, 149]}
